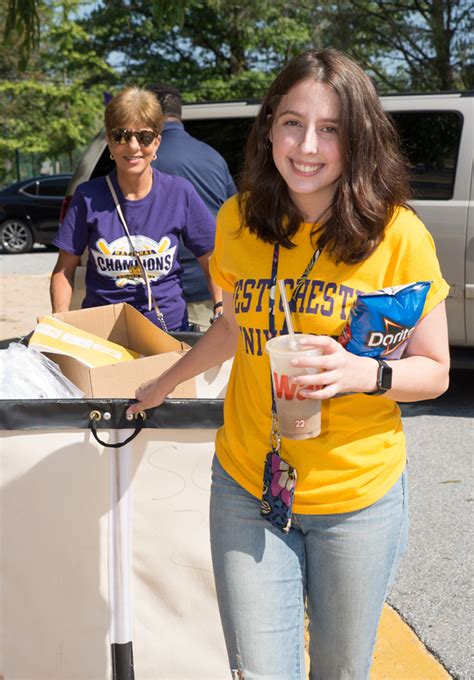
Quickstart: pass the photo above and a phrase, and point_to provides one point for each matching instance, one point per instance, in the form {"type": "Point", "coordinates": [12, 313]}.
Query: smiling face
{"type": "Point", "coordinates": [306, 145]}
{"type": "Point", "coordinates": [133, 158]}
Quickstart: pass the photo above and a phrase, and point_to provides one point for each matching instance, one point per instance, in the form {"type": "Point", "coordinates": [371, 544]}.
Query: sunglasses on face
{"type": "Point", "coordinates": [143, 137]}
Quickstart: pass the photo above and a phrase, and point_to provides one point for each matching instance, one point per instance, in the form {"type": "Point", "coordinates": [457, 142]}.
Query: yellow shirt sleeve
{"type": "Point", "coordinates": [414, 257]}
{"type": "Point", "coordinates": [227, 221]}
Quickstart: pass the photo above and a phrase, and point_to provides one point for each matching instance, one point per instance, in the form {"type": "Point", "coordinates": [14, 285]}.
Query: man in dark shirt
{"type": "Point", "coordinates": [184, 155]}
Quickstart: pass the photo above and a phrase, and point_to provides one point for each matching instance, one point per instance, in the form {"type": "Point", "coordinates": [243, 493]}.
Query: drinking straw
{"type": "Point", "coordinates": [286, 309]}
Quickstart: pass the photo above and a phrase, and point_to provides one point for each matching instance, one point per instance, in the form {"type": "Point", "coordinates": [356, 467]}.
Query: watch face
{"type": "Point", "coordinates": [384, 379]}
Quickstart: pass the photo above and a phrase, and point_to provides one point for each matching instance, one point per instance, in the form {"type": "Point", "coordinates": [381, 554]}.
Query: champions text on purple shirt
{"type": "Point", "coordinates": [171, 209]}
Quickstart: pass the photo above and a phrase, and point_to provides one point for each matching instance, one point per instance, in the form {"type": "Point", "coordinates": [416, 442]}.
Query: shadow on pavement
{"type": "Point", "coordinates": [457, 401]}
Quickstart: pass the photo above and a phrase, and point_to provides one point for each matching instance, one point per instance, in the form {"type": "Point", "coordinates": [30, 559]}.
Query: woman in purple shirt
{"type": "Point", "coordinates": [158, 210]}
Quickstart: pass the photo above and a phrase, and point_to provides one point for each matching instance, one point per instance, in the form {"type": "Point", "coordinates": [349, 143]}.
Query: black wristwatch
{"type": "Point", "coordinates": [384, 377]}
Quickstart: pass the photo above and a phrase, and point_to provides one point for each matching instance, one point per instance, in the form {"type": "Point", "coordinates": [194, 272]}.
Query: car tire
{"type": "Point", "coordinates": [16, 237]}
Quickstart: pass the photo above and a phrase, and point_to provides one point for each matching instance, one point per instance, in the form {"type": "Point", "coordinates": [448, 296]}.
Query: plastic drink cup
{"type": "Point", "coordinates": [298, 416]}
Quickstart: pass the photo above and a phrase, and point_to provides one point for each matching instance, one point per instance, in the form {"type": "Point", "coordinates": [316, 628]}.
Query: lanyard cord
{"type": "Point", "coordinates": [151, 299]}
{"type": "Point", "coordinates": [299, 284]}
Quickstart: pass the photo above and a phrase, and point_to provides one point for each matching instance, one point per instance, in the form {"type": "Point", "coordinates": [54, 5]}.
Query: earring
{"type": "Point", "coordinates": [111, 156]}
{"type": "Point", "coordinates": [154, 157]}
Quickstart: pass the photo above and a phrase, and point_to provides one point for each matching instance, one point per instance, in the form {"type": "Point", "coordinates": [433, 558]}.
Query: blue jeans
{"type": "Point", "coordinates": [339, 566]}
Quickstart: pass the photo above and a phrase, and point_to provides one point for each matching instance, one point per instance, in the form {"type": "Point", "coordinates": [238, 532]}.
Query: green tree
{"type": "Point", "coordinates": [407, 44]}
{"type": "Point", "coordinates": [421, 44]}
{"type": "Point", "coordinates": [228, 49]}
{"type": "Point", "coordinates": [54, 107]}
{"type": "Point", "coordinates": [210, 49]}
{"type": "Point", "coordinates": [231, 48]}
{"type": "Point", "coordinates": [22, 26]}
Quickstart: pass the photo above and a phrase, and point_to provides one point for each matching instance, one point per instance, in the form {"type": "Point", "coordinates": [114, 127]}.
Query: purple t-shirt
{"type": "Point", "coordinates": [172, 208]}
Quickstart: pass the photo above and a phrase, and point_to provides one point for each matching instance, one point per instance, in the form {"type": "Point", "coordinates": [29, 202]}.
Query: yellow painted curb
{"type": "Point", "coordinates": [399, 654]}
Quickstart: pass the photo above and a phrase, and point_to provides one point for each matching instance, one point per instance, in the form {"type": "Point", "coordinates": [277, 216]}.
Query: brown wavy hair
{"type": "Point", "coordinates": [374, 179]}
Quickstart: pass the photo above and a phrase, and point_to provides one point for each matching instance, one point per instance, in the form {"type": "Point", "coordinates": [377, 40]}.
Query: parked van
{"type": "Point", "coordinates": [437, 133]}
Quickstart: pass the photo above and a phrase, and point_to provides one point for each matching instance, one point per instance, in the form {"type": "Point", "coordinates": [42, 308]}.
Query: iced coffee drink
{"type": "Point", "coordinates": [298, 416]}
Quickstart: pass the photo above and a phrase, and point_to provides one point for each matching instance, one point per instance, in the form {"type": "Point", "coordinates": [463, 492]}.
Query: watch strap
{"type": "Point", "coordinates": [382, 365]}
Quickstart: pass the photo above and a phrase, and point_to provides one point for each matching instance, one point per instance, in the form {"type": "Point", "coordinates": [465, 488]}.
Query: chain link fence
{"type": "Point", "coordinates": [21, 165]}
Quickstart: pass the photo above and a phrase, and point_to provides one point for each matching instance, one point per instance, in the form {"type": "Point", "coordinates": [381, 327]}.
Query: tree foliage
{"type": "Point", "coordinates": [22, 27]}
{"type": "Point", "coordinates": [420, 44]}
{"type": "Point", "coordinates": [407, 44]}
{"type": "Point", "coordinates": [53, 108]}
{"type": "Point", "coordinates": [227, 50]}
{"type": "Point", "coordinates": [59, 59]}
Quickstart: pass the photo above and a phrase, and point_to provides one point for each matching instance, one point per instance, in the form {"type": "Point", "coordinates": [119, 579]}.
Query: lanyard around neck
{"type": "Point", "coordinates": [299, 284]}
{"type": "Point", "coordinates": [151, 300]}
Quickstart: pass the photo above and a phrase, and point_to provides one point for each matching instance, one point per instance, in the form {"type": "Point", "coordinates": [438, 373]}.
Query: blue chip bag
{"type": "Point", "coordinates": [381, 323]}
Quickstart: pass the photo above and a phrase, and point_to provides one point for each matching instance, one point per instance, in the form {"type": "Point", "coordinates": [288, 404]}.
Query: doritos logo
{"type": "Point", "coordinates": [393, 337]}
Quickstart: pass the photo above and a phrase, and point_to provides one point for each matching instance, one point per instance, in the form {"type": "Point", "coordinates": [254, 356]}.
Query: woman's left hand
{"type": "Point", "coordinates": [337, 370]}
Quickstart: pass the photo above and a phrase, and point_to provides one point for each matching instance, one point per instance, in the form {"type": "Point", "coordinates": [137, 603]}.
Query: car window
{"type": "Point", "coordinates": [228, 136]}
{"type": "Point", "coordinates": [430, 141]}
{"type": "Point", "coordinates": [30, 189]}
{"type": "Point", "coordinates": [104, 165]}
{"type": "Point", "coordinates": [56, 186]}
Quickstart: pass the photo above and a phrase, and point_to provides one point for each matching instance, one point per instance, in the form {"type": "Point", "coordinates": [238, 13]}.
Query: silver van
{"type": "Point", "coordinates": [437, 132]}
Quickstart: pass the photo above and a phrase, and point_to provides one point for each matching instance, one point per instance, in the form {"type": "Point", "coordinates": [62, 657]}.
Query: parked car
{"type": "Point", "coordinates": [30, 211]}
{"type": "Point", "coordinates": [437, 132]}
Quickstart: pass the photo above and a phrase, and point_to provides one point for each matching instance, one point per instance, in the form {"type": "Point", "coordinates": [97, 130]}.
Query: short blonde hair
{"type": "Point", "coordinates": [133, 106]}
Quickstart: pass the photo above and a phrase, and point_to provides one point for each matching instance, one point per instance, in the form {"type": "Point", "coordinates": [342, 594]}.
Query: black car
{"type": "Point", "coordinates": [30, 210]}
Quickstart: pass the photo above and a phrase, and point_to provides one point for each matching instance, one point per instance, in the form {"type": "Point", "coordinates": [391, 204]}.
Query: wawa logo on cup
{"type": "Point", "coordinates": [284, 389]}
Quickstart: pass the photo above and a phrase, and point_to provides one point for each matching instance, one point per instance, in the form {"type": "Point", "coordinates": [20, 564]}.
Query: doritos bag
{"type": "Point", "coordinates": [380, 323]}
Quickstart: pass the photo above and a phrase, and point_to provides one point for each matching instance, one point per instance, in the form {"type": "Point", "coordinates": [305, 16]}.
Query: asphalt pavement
{"type": "Point", "coordinates": [40, 261]}
{"type": "Point", "coordinates": [433, 591]}
{"type": "Point", "coordinates": [24, 290]}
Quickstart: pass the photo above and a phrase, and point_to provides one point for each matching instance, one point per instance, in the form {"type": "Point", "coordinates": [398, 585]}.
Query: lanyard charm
{"type": "Point", "coordinates": [275, 439]}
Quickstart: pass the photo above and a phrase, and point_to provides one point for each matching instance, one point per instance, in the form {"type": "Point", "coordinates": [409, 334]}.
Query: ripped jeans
{"type": "Point", "coordinates": [341, 566]}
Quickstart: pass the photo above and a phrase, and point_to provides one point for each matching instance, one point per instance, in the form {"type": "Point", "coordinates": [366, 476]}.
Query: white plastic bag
{"type": "Point", "coordinates": [25, 373]}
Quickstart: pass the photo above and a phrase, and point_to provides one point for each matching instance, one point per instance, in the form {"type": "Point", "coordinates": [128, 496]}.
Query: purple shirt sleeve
{"type": "Point", "coordinates": [199, 233]}
{"type": "Point", "coordinates": [73, 234]}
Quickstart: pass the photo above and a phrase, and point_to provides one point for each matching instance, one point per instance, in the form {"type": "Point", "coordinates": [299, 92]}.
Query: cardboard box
{"type": "Point", "coordinates": [124, 325]}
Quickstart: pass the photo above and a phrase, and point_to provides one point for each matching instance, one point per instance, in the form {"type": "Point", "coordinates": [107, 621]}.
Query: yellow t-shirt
{"type": "Point", "coordinates": [360, 452]}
